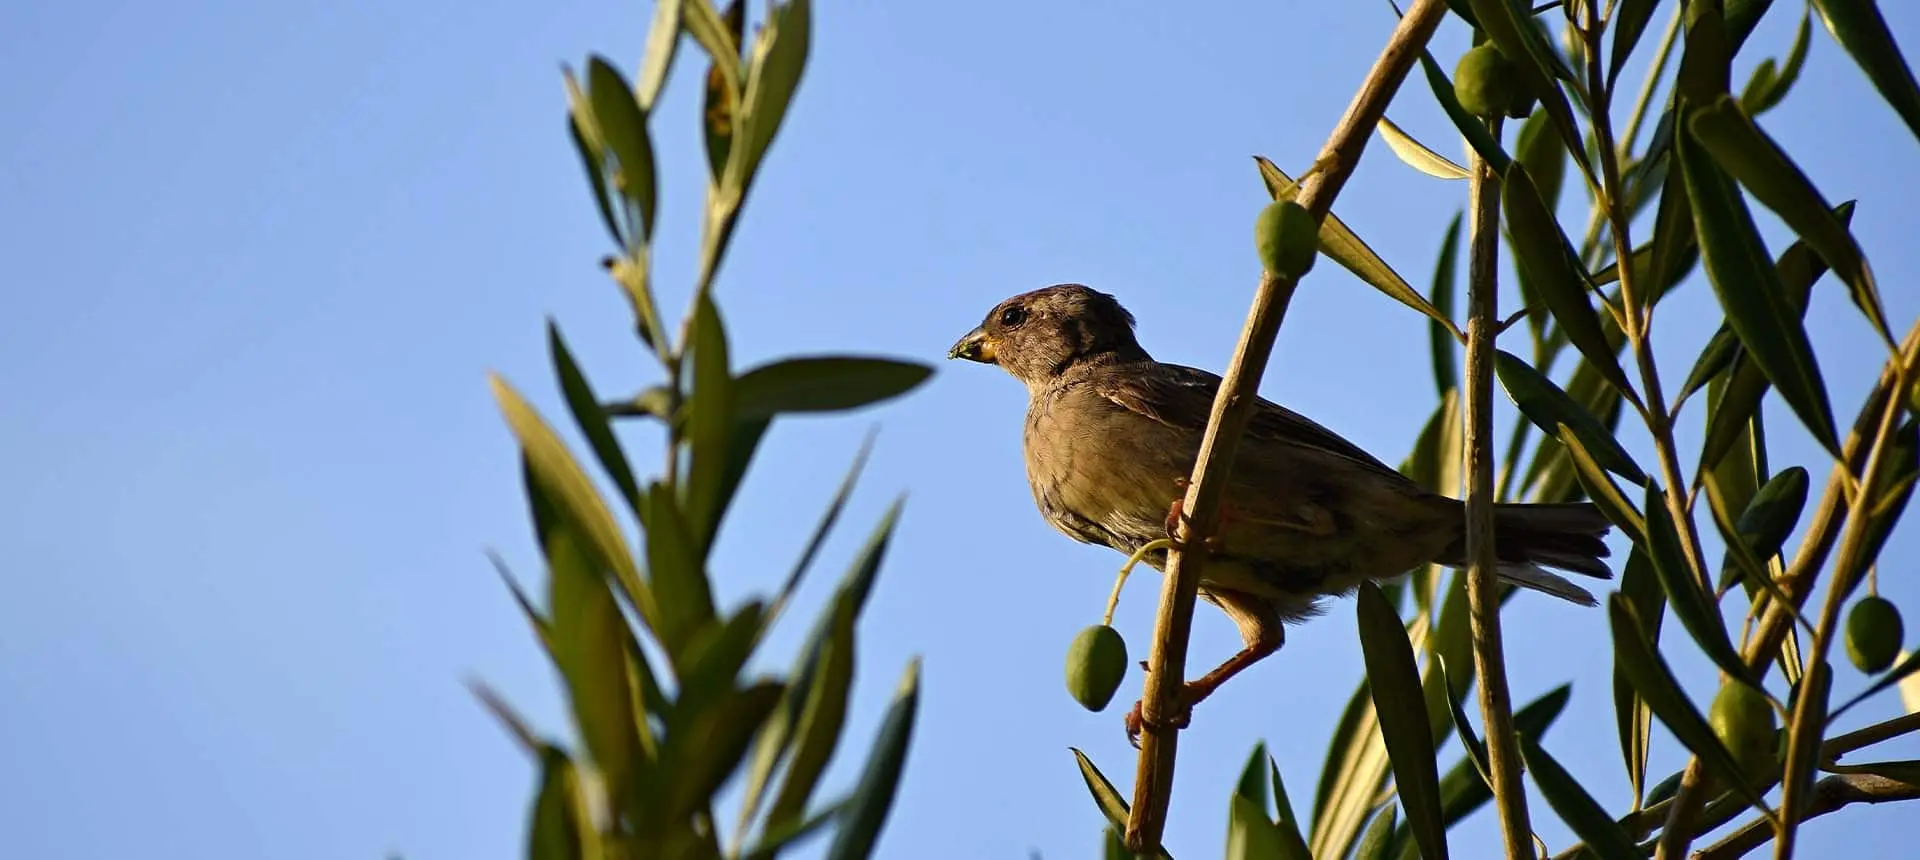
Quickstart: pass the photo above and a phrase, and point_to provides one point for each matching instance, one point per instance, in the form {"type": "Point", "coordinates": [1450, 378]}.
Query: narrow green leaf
{"type": "Point", "coordinates": [1762, 93]}
{"type": "Point", "coordinates": [1462, 8]}
{"type": "Point", "coordinates": [535, 619]}
{"type": "Point", "coordinates": [1640, 587]}
{"type": "Point", "coordinates": [1752, 292]}
{"type": "Point", "coordinates": [1901, 671]}
{"type": "Point", "coordinates": [1416, 154]}
{"type": "Point", "coordinates": [1674, 250]}
{"type": "Point", "coordinates": [1250, 836]}
{"type": "Point", "coordinates": [827, 383]}
{"type": "Point", "coordinates": [1253, 779]}
{"type": "Point", "coordinates": [1604, 837]}
{"type": "Point", "coordinates": [1351, 777]}
{"type": "Point", "coordinates": [1715, 357]}
{"type": "Point", "coordinates": [1767, 520]}
{"type": "Point", "coordinates": [1545, 159]}
{"type": "Point", "coordinates": [867, 809]}
{"type": "Point", "coordinates": [1742, 562]}
{"type": "Point", "coordinates": [1470, 743]}
{"type": "Point", "coordinates": [1695, 608]}
{"type": "Point", "coordinates": [587, 633]}
{"type": "Point", "coordinates": [773, 74]}
{"type": "Point", "coordinates": [1446, 373]}
{"type": "Point", "coordinates": [1705, 63]}
{"type": "Point", "coordinates": [716, 35]}
{"type": "Point", "coordinates": [1104, 794]}
{"type": "Point", "coordinates": [704, 749]}
{"type": "Point", "coordinates": [1463, 790]}
{"type": "Point", "coordinates": [663, 41]}
{"type": "Point", "coordinates": [508, 718]}
{"type": "Point", "coordinates": [1629, 22]}
{"type": "Point", "coordinates": [821, 720]}
{"type": "Point", "coordinates": [1798, 268]}
{"type": "Point", "coordinates": [709, 424]}
{"type": "Point", "coordinates": [1752, 158]}
{"type": "Point", "coordinates": [624, 128]}
{"type": "Point", "coordinates": [1340, 244]}
{"type": "Point", "coordinates": [1742, 17]}
{"type": "Point", "coordinates": [590, 418]}
{"type": "Point", "coordinates": [777, 838]}
{"type": "Point", "coordinates": [1635, 656]}
{"type": "Point", "coordinates": [590, 160]}
{"type": "Point", "coordinates": [827, 520]}
{"type": "Point", "coordinates": [1401, 706]}
{"type": "Point", "coordinates": [1899, 467]}
{"type": "Point", "coordinates": [562, 828]}
{"type": "Point", "coordinates": [679, 579]}
{"type": "Point", "coordinates": [743, 439]}
{"type": "Point", "coordinates": [1379, 836]}
{"type": "Point", "coordinates": [1470, 126]}
{"type": "Point", "coordinates": [1550, 409]}
{"type": "Point", "coordinates": [1859, 28]}
{"type": "Point", "coordinates": [1542, 250]}
{"type": "Point", "coordinates": [1600, 488]}
{"type": "Point", "coordinates": [1452, 637]}
{"type": "Point", "coordinates": [719, 34]}
{"type": "Point", "coordinates": [1292, 845]}
{"type": "Point", "coordinates": [710, 669]}
{"type": "Point", "coordinates": [1811, 697]}
{"type": "Point", "coordinates": [565, 485]}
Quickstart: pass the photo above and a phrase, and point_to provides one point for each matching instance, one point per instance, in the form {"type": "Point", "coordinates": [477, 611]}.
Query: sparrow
{"type": "Point", "coordinates": [1111, 438]}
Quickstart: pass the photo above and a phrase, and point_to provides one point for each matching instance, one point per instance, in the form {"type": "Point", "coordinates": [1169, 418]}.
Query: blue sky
{"type": "Point", "coordinates": [259, 258]}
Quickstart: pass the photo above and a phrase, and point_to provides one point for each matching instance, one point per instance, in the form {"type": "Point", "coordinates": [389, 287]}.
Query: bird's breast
{"type": "Point", "coordinates": [1092, 460]}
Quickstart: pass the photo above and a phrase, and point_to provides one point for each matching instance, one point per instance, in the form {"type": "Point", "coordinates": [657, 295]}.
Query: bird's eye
{"type": "Point", "coordinates": [1013, 316]}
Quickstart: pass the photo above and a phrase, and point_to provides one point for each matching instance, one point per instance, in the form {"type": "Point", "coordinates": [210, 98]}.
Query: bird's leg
{"type": "Point", "coordinates": [1261, 637]}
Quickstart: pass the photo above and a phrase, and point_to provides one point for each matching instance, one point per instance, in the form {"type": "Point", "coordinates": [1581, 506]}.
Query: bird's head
{"type": "Point", "coordinates": [1037, 336]}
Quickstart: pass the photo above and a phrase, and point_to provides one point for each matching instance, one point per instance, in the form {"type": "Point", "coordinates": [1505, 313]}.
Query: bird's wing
{"type": "Point", "coordinates": [1182, 397]}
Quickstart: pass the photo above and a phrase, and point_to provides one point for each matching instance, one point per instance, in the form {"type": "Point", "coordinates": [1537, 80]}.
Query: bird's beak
{"type": "Point", "coordinates": [976, 346]}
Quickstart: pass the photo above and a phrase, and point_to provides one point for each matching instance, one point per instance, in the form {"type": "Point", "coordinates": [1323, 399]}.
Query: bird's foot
{"type": "Point", "coordinates": [1136, 720]}
{"type": "Point", "coordinates": [1176, 515]}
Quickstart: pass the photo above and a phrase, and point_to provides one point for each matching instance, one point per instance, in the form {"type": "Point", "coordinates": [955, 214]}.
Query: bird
{"type": "Point", "coordinates": [1111, 436]}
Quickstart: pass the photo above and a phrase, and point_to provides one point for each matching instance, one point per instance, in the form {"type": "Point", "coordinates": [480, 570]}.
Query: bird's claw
{"type": "Point", "coordinates": [1176, 516]}
{"type": "Point", "coordinates": [1136, 719]}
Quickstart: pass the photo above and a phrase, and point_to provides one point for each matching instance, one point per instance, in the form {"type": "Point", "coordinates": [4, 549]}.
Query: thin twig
{"type": "Point", "coordinates": [1166, 663]}
{"type": "Point", "coordinates": [1643, 822]}
{"type": "Point", "coordinates": [1829, 795]}
{"type": "Point", "coordinates": [1869, 434]}
{"type": "Point", "coordinates": [1483, 584]}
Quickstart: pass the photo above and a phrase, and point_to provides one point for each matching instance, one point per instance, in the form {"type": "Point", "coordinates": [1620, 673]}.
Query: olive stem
{"type": "Point", "coordinates": [1126, 570]}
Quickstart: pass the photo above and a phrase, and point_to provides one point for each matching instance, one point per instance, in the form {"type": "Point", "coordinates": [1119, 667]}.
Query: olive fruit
{"type": "Point", "coordinates": [1873, 634]}
{"type": "Point", "coordinates": [1286, 238]}
{"type": "Point", "coordinates": [1744, 722]}
{"type": "Point", "coordinates": [1484, 82]}
{"type": "Point", "coordinates": [1096, 663]}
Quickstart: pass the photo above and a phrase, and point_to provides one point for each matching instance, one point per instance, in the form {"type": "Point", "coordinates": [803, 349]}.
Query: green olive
{"type": "Point", "coordinates": [1744, 721]}
{"type": "Point", "coordinates": [1096, 663]}
{"type": "Point", "coordinates": [1484, 82]}
{"type": "Point", "coordinates": [1521, 108]}
{"type": "Point", "coordinates": [1287, 238]}
{"type": "Point", "coordinates": [1874, 634]}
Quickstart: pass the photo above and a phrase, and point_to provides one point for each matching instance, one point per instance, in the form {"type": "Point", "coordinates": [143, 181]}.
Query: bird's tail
{"type": "Point", "coordinates": [1527, 539]}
